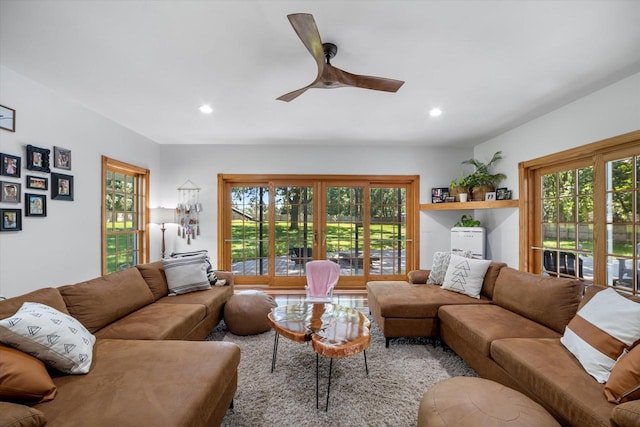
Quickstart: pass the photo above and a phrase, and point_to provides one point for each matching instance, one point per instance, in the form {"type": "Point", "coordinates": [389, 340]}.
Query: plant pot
{"type": "Point", "coordinates": [479, 192]}
{"type": "Point", "coordinates": [462, 197]}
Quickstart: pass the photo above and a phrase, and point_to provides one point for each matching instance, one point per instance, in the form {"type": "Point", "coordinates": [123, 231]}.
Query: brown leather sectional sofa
{"type": "Point", "coordinates": [148, 369]}
{"type": "Point", "coordinates": [510, 335]}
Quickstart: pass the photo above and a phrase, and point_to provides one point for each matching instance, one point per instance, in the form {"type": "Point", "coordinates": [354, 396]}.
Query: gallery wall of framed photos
{"type": "Point", "coordinates": [40, 180]}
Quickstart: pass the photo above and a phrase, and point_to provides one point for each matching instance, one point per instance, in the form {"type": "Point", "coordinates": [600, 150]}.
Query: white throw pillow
{"type": "Point", "coordinates": [465, 275]}
{"type": "Point", "coordinates": [186, 274]}
{"type": "Point", "coordinates": [55, 338]}
{"type": "Point", "coordinates": [602, 332]}
{"type": "Point", "coordinates": [440, 265]}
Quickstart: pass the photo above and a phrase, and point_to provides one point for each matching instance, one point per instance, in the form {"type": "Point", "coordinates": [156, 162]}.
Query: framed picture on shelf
{"type": "Point", "coordinates": [439, 195]}
{"type": "Point", "coordinates": [7, 118]}
{"type": "Point", "coordinates": [10, 219]}
{"type": "Point", "coordinates": [500, 193]}
{"type": "Point", "coordinates": [38, 159]}
{"type": "Point", "coordinates": [61, 187]}
{"type": "Point", "coordinates": [35, 204]}
{"type": "Point", "coordinates": [507, 195]}
{"type": "Point", "coordinates": [10, 165]}
{"type": "Point", "coordinates": [61, 158]}
{"type": "Point", "coordinates": [490, 196]}
{"type": "Point", "coordinates": [37, 182]}
{"type": "Point", "coordinates": [9, 192]}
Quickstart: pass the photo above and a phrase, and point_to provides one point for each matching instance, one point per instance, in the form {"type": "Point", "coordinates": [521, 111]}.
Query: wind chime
{"type": "Point", "coordinates": [188, 211]}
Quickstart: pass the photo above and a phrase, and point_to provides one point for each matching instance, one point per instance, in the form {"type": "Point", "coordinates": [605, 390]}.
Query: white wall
{"type": "Point", "coordinates": [202, 164]}
{"type": "Point", "coordinates": [611, 111]}
{"type": "Point", "coordinates": [64, 247]}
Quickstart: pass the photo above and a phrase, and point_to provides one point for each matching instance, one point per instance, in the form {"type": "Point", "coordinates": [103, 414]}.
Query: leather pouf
{"type": "Point", "coordinates": [470, 401]}
{"type": "Point", "coordinates": [245, 313]}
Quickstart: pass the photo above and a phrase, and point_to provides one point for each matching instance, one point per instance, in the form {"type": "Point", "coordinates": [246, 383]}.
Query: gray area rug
{"type": "Point", "coordinates": [388, 396]}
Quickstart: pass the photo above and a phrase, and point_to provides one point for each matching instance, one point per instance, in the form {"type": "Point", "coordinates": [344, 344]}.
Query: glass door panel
{"type": "Point", "coordinates": [250, 231]}
{"type": "Point", "coordinates": [388, 231]}
{"type": "Point", "coordinates": [294, 230]}
{"type": "Point", "coordinates": [344, 237]}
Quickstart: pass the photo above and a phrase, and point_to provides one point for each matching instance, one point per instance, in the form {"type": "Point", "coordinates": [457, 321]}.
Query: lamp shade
{"type": "Point", "coordinates": [161, 215]}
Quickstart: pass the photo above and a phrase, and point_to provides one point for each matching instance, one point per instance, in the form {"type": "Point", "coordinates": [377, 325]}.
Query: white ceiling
{"type": "Point", "coordinates": [490, 65]}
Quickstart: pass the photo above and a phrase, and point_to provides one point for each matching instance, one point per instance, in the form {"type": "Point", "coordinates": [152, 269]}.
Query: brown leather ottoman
{"type": "Point", "coordinates": [245, 313]}
{"type": "Point", "coordinates": [470, 401]}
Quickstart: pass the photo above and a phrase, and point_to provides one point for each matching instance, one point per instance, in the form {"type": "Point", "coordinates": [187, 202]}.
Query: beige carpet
{"type": "Point", "coordinates": [388, 396]}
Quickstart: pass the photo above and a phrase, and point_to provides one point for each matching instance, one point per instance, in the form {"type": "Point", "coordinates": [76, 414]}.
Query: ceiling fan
{"type": "Point", "coordinates": [330, 77]}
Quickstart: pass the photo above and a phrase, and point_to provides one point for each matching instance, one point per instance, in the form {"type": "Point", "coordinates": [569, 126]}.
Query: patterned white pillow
{"type": "Point", "coordinates": [602, 332]}
{"type": "Point", "coordinates": [465, 275]}
{"type": "Point", "coordinates": [55, 338]}
{"type": "Point", "coordinates": [440, 265]}
{"type": "Point", "coordinates": [186, 274]}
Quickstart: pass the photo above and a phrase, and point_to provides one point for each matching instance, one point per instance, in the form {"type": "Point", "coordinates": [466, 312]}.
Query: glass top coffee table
{"type": "Point", "coordinates": [335, 331]}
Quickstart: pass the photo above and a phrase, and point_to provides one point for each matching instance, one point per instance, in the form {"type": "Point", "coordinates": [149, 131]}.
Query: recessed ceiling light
{"type": "Point", "coordinates": [206, 109]}
{"type": "Point", "coordinates": [435, 112]}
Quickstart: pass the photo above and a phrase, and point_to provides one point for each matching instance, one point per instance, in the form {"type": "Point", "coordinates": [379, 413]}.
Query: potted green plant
{"type": "Point", "coordinates": [482, 180]}
{"type": "Point", "coordinates": [467, 221]}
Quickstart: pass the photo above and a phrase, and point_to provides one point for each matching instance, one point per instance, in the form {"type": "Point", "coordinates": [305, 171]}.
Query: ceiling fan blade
{"type": "Point", "coordinates": [305, 27]}
{"type": "Point", "coordinates": [293, 95]}
{"type": "Point", "coordinates": [366, 82]}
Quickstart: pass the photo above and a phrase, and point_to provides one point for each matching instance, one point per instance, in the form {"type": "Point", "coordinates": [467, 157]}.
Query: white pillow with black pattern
{"type": "Point", "coordinates": [211, 275]}
{"type": "Point", "coordinates": [465, 275]}
{"type": "Point", "coordinates": [440, 265]}
{"type": "Point", "coordinates": [55, 338]}
{"type": "Point", "coordinates": [186, 274]}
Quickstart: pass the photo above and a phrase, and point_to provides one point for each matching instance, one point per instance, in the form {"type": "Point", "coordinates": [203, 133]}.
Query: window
{"type": "Point", "coordinates": [272, 226]}
{"type": "Point", "coordinates": [125, 240]}
{"type": "Point", "coordinates": [583, 215]}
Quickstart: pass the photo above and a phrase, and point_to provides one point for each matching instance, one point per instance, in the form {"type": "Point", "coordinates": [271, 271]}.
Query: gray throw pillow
{"type": "Point", "coordinates": [440, 265]}
{"type": "Point", "coordinates": [186, 274]}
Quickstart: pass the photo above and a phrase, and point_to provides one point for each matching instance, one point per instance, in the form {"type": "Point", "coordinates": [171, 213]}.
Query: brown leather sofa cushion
{"type": "Point", "coordinates": [156, 322]}
{"type": "Point", "coordinates": [550, 301]}
{"type": "Point", "coordinates": [146, 383]}
{"type": "Point", "coordinates": [544, 367]}
{"type": "Point", "coordinates": [15, 415]}
{"type": "Point", "coordinates": [23, 378]}
{"type": "Point", "coordinates": [47, 296]}
{"type": "Point", "coordinates": [153, 274]}
{"type": "Point", "coordinates": [100, 301]}
{"type": "Point", "coordinates": [213, 299]}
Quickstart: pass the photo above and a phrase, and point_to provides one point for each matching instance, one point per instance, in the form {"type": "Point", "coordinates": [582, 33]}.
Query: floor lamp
{"type": "Point", "coordinates": [162, 216]}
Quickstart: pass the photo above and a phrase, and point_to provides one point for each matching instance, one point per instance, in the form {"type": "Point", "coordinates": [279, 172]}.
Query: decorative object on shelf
{"type": "Point", "coordinates": [61, 187]}
{"type": "Point", "coordinates": [439, 195]}
{"type": "Point", "coordinates": [37, 182]}
{"type": "Point", "coordinates": [503, 193]}
{"type": "Point", "coordinates": [467, 221]}
{"type": "Point", "coordinates": [482, 181]}
{"type": "Point", "coordinates": [188, 211]}
{"type": "Point", "coordinates": [162, 216]}
{"type": "Point", "coordinates": [9, 192]}
{"type": "Point", "coordinates": [7, 118]}
{"type": "Point", "coordinates": [38, 159]}
{"type": "Point", "coordinates": [10, 219]}
{"type": "Point", "coordinates": [463, 197]}
{"type": "Point", "coordinates": [460, 189]}
{"type": "Point", "coordinates": [61, 158]}
{"type": "Point", "coordinates": [490, 195]}
{"type": "Point", "coordinates": [10, 165]}
{"type": "Point", "coordinates": [35, 204]}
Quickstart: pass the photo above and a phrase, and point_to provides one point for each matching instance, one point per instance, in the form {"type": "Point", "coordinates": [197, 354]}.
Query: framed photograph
{"type": "Point", "coordinates": [439, 195]}
{"type": "Point", "coordinates": [61, 187]}
{"type": "Point", "coordinates": [507, 195]}
{"type": "Point", "coordinates": [491, 195]}
{"type": "Point", "coordinates": [10, 165]}
{"type": "Point", "coordinates": [38, 159]}
{"type": "Point", "coordinates": [35, 204]}
{"type": "Point", "coordinates": [500, 193]}
{"type": "Point", "coordinates": [37, 182]}
{"type": "Point", "coordinates": [10, 219]}
{"type": "Point", "coordinates": [61, 158]}
{"type": "Point", "coordinates": [9, 192]}
{"type": "Point", "coordinates": [7, 118]}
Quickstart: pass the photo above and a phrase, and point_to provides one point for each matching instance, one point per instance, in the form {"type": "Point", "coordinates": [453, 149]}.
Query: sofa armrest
{"type": "Point", "coordinates": [418, 276]}
{"type": "Point", "coordinates": [627, 414]}
{"type": "Point", "coordinates": [225, 275]}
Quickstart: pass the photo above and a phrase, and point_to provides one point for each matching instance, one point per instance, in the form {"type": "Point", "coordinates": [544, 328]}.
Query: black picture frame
{"type": "Point", "coordinates": [61, 158]}
{"type": "Point", "coordinates": [501, 193]}
{"type": "Point", "coordinates": [38, 159]}
{"type": "Point", "coordinates": [7, 118]}
{"type": "Point", "coordinates": [10, 192]}
{"type": "Point", "coordinates": [35, 204]}
{"type": "Point", "coordinates": [61, 187]}
{"type": "Point", "coordinates": [37, 182]}
{"type": "Point", "coordinates": [10, 165]}
{"type": "Point", "coordinates": [10, 219]}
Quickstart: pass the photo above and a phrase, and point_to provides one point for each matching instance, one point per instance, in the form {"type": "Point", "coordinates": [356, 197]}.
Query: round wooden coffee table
{"type": "Point", "coordinates": [335, 331]}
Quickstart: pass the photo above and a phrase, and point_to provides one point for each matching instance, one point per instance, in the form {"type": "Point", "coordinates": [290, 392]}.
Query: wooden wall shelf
{"type": "Point", "coordinates": [457, 206]}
